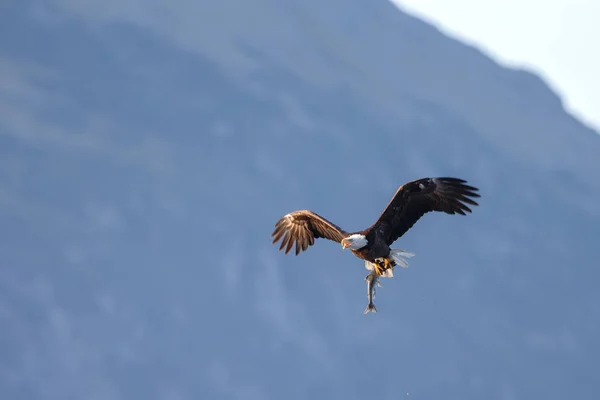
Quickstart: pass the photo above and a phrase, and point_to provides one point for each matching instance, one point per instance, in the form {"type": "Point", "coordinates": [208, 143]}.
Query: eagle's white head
{"type": "Point", "coordinates": [354, 242]}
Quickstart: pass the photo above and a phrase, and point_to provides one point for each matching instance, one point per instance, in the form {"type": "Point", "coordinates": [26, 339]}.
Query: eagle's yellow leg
{"type": "Point", "coordinates": [380, 269]}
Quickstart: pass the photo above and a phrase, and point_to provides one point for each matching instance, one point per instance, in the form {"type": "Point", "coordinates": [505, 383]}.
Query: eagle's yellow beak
{"type": "Point", "coordinates": [345, 243]}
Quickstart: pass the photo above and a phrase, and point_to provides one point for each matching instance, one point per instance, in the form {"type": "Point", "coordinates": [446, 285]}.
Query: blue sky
{"type": "Point", "coordinates": [553, 38]}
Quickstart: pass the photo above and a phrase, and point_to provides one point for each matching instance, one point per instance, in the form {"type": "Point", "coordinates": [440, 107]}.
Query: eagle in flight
{"type": "Point", "coordinates": [410, 202]}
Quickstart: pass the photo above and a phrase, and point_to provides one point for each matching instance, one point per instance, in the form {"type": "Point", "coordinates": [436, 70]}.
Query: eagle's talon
{"type": "Point", "coordinates": [379, 269]}
{"type": "Point", "coordinates": [386, 264]}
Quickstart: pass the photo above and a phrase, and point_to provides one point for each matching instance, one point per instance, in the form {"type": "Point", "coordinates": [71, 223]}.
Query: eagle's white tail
{"type": "Point", "coordinates": [398, 254]}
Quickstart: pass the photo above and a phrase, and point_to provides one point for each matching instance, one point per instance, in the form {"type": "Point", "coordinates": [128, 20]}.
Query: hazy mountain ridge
{"type": "Point", "coordinates": [175, 145]}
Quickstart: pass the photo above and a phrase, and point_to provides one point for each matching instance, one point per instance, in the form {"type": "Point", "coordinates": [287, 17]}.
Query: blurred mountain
{"type": "Point", "coordinates": [148, 148]}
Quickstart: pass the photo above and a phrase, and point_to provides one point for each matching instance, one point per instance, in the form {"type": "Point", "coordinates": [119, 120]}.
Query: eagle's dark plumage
{"type": "Point", "coordinates": [410, 202]}
{"type": "Point", "coordinates": [414, 199]}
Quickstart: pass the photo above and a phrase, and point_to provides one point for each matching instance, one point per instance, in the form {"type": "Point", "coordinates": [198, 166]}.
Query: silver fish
{"type": "Point", "coordinates": [372, 282]}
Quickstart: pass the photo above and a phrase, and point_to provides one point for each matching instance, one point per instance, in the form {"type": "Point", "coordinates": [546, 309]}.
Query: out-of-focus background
{"type": "Point", "coordinates": [148, 148]}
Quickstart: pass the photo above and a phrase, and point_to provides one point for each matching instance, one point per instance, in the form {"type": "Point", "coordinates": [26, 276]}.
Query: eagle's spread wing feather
{"type": "Point", "coordinates": [414, 199]}
{"type": "Point", "coordinates": [302, 227]}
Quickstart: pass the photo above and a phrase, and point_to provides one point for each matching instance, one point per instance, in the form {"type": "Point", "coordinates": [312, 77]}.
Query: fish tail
{"type": "Point", "coordinates": [370, 308]}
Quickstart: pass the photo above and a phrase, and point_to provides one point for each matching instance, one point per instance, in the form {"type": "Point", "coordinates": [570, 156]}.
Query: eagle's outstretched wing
{"type": "Point", "coordinates": [302, 227]}
{"type": "Point", "coordinates": [414, 199]}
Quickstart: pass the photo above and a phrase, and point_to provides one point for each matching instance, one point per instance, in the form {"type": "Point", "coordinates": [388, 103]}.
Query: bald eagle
{"type": "Point", "coordinates": [410, 202]}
